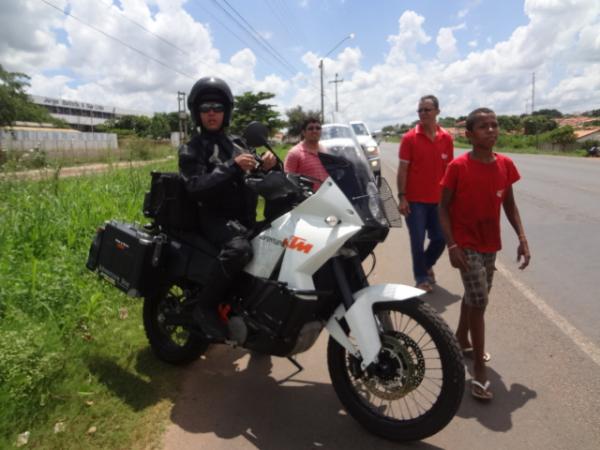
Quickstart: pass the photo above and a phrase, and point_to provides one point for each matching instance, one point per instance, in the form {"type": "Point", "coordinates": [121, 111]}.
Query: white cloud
{"type": "Point", "coordinates": [560, 42]}
{"type": "Point", "coordinates": [410, 33]}
{"type": "Point", "coordinates": [446, 43]}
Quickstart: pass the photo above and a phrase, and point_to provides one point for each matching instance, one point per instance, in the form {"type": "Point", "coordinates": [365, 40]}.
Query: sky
{"type": "Point", "coordinates": [137, 54]}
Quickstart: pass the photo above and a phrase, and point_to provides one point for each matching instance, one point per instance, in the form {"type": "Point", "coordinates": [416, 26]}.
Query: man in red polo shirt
{"type": "Point", "coordinates": [303, 158]}
{"type": "Point", "coordinates": [425, 151]}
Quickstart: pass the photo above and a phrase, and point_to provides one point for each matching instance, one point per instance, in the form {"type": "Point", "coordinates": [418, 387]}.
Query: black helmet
{"type": "Point", "coordinates": [207, 89]}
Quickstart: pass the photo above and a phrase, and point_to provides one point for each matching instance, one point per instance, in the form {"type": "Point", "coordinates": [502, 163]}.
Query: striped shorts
{"type": "Point", "coordinates": [478, 279]}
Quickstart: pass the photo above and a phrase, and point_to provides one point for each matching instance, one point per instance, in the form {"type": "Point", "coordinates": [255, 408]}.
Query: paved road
{"type": "Point", "coordinates": [559, 201]}
{"type": "Point", "coordinates": [546, 383]}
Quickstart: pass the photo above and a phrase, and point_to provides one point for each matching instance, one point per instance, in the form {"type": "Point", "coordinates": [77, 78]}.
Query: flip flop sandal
{"type": "Point", "coordinates": [468, 353]}
{"type": "Point", "coordinates": [481, 391]}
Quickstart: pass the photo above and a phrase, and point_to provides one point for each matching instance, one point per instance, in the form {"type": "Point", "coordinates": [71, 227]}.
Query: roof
{"type": "Point", "coordinates": [574, 121]}
{"type": "Point", "coordinates": [586, 132]}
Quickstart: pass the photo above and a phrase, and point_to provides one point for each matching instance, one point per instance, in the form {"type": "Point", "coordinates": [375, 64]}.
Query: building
{"type": "Point", "coordinates": [589, 134]}
{"type": "Point", "coordinates": [82, 116]}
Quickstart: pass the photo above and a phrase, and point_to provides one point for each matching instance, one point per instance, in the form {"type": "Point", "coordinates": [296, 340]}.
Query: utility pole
{"type": "Point", "coordinates": [532, 92]}
{"type": "Point", "coordinates": [182, 117]}
{"type": "Point", "coordinates": [336, 81]}
{"type": "Point", "coordinates": [322, 93]}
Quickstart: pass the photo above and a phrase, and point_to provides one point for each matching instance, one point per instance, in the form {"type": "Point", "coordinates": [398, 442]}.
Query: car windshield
{"type": "Point", "coordinates": [360, 129]}
{"type": "Point", "coordinates": [335, 132]}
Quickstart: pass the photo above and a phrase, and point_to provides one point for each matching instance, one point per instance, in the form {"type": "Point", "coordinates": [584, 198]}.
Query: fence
{"type": "Point", "coordinates": [59, 144]}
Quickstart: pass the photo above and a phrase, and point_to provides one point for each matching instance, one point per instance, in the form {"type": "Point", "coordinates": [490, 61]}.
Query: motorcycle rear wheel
{"type": "Point", "coordinates": [173, 344]}
{"type": "Point", "coordinates": [417, 385]}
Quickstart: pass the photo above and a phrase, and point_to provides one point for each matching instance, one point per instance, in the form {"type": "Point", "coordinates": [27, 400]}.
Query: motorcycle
{"type": "Point", "coordinates": [394, 363]}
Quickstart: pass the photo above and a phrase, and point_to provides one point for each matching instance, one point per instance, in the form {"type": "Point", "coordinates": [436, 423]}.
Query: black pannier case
{"type": "Point", "coordinates": [168, 202]}
{"type": "Point", "coordinates": [122, 253]}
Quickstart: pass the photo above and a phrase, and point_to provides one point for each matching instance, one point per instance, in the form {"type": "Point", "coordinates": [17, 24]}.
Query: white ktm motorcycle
{"type": "Point", "coordinates": [394, 363]}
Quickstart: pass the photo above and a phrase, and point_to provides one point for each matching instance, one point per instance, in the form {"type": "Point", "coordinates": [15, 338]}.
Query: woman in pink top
{"type": "Point", "coordinates": [303, 158]}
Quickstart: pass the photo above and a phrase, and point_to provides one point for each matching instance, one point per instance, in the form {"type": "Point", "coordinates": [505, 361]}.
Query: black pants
{"type": "Point", "coordinates": [232, 240]}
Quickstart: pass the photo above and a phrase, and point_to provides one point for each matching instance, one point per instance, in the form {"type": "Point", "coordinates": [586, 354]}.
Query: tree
{"type": "Point", "coordinates": [15, 104]}
{"type": "Point", "coordinates": [296, 117]}
{"type": "Point", "coordinates": [159, 126]}
{"type": "Point", "coordinates": [563, 136]}
{"type": "Point", "coordinates": [248, 108]}
{"type": "Point", "coordinates": [509, 123]}
{"type": "Point", "coordinates": [592, 113]}
{"type": "Point", "coordinates": [553, 113]}
{"type": "Point", "coordinates": [538, 124]}
{"type": "Point", "coordinates": [447, 121]}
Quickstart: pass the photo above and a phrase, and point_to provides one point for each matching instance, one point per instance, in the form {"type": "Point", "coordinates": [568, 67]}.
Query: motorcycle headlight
{"type": "Point", "coordinates": [375, 204]}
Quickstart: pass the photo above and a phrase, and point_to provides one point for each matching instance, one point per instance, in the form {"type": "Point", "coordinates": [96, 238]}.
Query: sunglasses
{"type": "Point", "coordinates": [216, 107]}
{"type": "Point", "coordinates": [424, 110]}
{"type": "Point", "coordinates": [315, 128]}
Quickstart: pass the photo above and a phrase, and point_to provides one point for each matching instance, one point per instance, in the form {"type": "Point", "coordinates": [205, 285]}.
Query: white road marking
{"type": "Point", "coordinates": [584, 344]}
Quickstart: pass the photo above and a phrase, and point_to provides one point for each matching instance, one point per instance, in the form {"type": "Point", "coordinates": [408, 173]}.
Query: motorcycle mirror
{"type": "Point", "coordinates": [256, 135]}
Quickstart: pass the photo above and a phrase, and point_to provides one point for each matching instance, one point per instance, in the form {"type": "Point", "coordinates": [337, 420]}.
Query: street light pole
{"type": "Point", "coordinates": [321, 68]}
{"type": "Point", "coordinates": [350, 36]}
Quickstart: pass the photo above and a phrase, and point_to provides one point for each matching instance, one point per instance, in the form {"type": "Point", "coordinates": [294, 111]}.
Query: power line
{"type": "Point", "coordinates": [256, 37]}
{"type": "Point", "coordinates": [286, 20]}
{"type": "Point", "coordinates": [158, 61]}
{"type": "Point", "coordinates": [287, 12]}
{"type": "Point", "coordinates": [279, 55]}
{"type": "Point", "coordinates": [171, 44]}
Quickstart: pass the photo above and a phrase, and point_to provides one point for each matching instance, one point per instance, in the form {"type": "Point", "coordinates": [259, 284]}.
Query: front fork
{"type": "Point", "coordinates": [357, 310]}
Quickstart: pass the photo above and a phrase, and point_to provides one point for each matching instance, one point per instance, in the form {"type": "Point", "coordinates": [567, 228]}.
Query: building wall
{"type": "Point", "coordinates": [58, 143]}
{"type": "Point", "coordinates": [590, 137]}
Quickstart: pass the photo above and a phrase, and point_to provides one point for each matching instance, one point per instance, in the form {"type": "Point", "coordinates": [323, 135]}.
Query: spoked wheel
{"type": "Point", "coordinates": [174, 344]}
{"type": "Point", "coordinates": [415, 387]}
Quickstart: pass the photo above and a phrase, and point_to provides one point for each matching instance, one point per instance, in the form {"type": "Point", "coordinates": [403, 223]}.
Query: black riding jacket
{"type": "Point", "coordinates": [214, 180]}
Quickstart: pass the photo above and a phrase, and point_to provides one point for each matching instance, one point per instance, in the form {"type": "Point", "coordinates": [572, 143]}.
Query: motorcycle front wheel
{"type": "Point", "coordinates": [417, 384]}
{"type": "Point", "coordinates": [174, 344]}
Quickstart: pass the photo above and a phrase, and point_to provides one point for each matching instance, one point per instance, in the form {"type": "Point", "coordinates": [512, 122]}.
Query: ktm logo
{"type": "Point", "coordinates": [121, 245]}
{"type": "Point", "coordinates": [298, 243]}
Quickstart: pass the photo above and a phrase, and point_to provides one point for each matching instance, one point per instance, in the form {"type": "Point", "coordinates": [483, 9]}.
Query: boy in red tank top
{"type": "Point", "coordinates": [474, 188]}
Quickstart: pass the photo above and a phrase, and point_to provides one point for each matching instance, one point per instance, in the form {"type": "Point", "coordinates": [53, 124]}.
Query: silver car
{"type": "Point", "coordinates": [368, 144]}
{"type": "Point", "coordinates": [337, 137]}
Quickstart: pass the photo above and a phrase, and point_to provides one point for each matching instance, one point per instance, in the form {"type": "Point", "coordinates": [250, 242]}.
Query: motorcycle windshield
{"type": "Point", "coordinates": [349, 169]}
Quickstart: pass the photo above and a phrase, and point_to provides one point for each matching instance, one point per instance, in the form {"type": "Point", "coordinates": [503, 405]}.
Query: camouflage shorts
{"type": "Point", "coordinates": [478, 279]}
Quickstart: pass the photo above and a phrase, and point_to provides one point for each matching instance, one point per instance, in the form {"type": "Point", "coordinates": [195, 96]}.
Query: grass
{"type": "Point", "coordinates": [510, 144]}
{"type": "Point", "coordinates": [73, 348]}
{"type": "Point", "coordinates": [74, 354]}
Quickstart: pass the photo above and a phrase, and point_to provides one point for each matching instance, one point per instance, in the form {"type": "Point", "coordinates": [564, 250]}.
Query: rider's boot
{"type": "Point", "coordinates": [206, 314]}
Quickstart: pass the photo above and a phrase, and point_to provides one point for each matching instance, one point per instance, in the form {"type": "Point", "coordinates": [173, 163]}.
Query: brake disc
{"type": "Point", "coordinates": [400, 370]}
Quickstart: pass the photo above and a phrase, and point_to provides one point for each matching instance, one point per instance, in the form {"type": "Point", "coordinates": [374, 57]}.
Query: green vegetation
{"type": "Point", "coordinates": [296, 117]}
{"type": "Point", "coordinates": [159, 126]}
{"type": "Point", "coordinates": [74, 355]}
{"type": "Point", "coordinates": [73, 348]}
{"type": "Point", "coordinates": [14, 103]}
{"type": "Point", "coordinates": [249, 107]}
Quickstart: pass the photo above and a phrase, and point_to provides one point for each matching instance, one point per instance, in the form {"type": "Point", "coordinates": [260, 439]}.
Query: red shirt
{"type": "Point", "coordinates": [304, 162]}
{"type": "Point", "coordinates": [479, 190]}
{"type": "Point", "coordinates": [427, 162]}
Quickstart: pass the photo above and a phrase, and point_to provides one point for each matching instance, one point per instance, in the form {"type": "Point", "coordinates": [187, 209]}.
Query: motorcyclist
{"type": "Point", "coordinates": [212, 165]}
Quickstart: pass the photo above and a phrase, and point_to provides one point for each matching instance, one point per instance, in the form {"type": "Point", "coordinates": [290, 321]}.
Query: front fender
{"type": "Point", "coordinates": [361, 320]}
